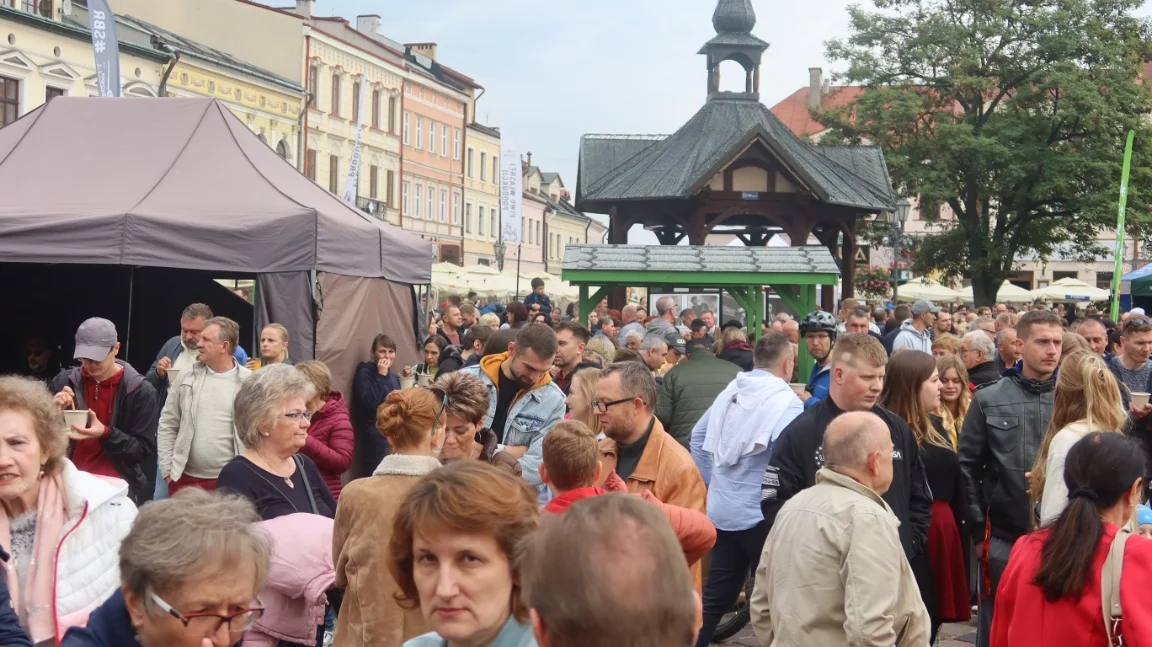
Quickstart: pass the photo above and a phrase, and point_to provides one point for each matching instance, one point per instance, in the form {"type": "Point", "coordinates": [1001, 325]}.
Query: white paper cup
{"type": "Point", "coordinates": [1139, 400]}
{"type": "Point", "coordinates": [424, 379]}
{"type": "Point", "coordinates": [407, 382]}
{"type": "Point", "coordinates": [798, 387]}
{"type": "Point", "coordinates": [173, 375]}
{"type": "Point", "coordinates": [78, 417]}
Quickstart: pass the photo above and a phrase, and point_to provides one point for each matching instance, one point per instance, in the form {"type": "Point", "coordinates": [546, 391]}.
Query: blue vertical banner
{"type": "Point", "coordinates": [106, 46]}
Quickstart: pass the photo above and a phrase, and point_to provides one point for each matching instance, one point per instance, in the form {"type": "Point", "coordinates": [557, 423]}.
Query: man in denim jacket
{"type": "Point", "coordinates": [523, 402]}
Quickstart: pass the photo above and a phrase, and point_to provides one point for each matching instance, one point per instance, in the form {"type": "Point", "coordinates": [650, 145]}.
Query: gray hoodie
{"type": "Point", "coordinates": [909, 337]}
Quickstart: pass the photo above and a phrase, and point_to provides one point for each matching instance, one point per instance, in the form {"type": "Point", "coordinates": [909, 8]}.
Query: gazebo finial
{"type": "Point", "coordinates": [734, 16]}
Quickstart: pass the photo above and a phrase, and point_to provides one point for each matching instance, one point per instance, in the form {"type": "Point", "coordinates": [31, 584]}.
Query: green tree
{"type": "Point", "coordinates": [1013, 114]}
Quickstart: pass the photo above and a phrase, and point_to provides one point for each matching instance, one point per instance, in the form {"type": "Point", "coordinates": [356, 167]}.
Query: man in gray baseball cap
{"type": "Point", "coordinates": [915, 333]}
{"type": "Point", "coordinates": [120, 438]}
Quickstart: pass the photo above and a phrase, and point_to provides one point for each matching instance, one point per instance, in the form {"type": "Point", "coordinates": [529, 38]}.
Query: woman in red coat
{"type": "Point", "coordinates": [1050, 592]}
{"type": "Point", "coordinates": [330, 437]}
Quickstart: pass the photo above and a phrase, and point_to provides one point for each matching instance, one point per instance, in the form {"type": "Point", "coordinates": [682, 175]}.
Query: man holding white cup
{"type": "Point", "coordinates": [1133, 368]}
{"type": "Point", "coordinates": [119, 439]}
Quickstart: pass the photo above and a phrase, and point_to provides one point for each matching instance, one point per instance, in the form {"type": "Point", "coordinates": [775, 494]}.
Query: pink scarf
{"type": "Point", "coordinates": [37, 606]}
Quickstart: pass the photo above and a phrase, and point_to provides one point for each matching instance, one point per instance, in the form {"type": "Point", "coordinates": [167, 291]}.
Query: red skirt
{"type": "Point", "coordinates": [949, 572]}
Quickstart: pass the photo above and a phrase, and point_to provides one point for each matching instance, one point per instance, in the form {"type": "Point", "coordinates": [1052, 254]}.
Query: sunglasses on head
{"type": "Point", "coordinates": [1137, 323]}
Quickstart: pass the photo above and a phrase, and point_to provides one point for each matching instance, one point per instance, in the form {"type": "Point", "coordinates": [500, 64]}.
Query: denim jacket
{"type": "Point", "coordinates": [531, 415]}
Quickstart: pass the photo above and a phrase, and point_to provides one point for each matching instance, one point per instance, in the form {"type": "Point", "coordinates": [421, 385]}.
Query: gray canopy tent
{"type": "Point", "coordinates": [182, 183]}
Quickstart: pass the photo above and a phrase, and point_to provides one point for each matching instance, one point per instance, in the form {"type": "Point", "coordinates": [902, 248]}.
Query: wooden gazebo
{"type": "Point", "coordinates": [734, 168]}
{"type": "Point", "coordinates": [792, 272]}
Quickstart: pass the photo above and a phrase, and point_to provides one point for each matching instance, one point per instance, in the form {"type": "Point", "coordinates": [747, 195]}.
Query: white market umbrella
{"type": "Point", "coordinates": [480, 270]}
{"type": "Point", "coordinates": [445, 267]}
{"type": "Point", "coordinates": [1008, 293]}
{"type": "Point", "coordinates": [1070, 289]}
{"type": "Point", "coordinates": [923, 287]}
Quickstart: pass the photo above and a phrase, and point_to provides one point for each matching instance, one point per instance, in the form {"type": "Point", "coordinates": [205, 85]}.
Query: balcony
{"type": "Point", "coordinates": [372, 206]}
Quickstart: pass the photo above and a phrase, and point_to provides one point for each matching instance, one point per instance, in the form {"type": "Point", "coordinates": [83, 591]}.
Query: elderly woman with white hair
{"type": "Point", "coordinates": [62, 525]}
{"type": "Point", "coordinates": [190, 573]}
{"type": "Point", "coordinates": [272, 420]}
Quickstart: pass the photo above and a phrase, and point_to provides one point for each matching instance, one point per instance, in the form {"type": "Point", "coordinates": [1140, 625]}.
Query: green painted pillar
{"type": "Point", "coordinates": [808, 303]}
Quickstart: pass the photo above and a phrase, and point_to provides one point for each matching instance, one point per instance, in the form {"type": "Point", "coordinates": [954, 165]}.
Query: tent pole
{"type": "Point", "coordinates": [519, 251]}
{"type": "Point", "coordinates": [131, 293]}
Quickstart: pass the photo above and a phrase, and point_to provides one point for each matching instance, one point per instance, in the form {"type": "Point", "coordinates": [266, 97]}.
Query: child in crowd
{"type": "Point", "coordinates": [1144, 520]}
{"type": "Point", "coordinates": [571, 467]}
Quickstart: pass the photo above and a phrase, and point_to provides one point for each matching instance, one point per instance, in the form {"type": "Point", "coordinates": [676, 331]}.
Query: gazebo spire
{"type": "Point", "coordinates": [734, 21]}
{"type": "Point", "coordinates": [734, 16]}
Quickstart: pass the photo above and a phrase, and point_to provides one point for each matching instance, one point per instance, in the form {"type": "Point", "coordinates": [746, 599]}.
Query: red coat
{"type": "Point", "coordinates": [695, 531]}
{"type": "Point", "coordinates": [1024, 617]}
{"type": "Point", "coordinates": [330, 441]}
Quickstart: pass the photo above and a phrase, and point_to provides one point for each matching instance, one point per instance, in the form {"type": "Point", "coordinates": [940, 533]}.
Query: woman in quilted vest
{"type": "Point", "coordinates": [64, 526]}
{"type": "Point", "coordinates": [330, 437]}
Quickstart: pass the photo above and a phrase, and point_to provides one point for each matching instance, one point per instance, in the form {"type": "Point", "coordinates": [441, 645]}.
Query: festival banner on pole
{"type": "Point", "coordinates": [1120, 216]}
{"type": "Point", "coordinates": [102, 22]}
{"type": "Point", "coordinates": [511, 195]}
{"type": "Point", "coordinates": [353, 182]}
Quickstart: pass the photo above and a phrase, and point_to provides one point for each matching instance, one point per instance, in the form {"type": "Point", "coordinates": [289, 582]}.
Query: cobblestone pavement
{"type": "Point", "coordinates": [958, 635]}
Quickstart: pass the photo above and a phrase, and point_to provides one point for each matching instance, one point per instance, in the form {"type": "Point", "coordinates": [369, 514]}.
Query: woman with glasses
{"type": "Point", "coordinates": [190, 570]}
{"type": "Point", "coordinates": [412, 420]}
{"type": "Point", "coordinates": [62, 526]}
{"type": "Point", "coordinates": [453, 551]}
{"type": "Point", "coordinates": [272, 419]}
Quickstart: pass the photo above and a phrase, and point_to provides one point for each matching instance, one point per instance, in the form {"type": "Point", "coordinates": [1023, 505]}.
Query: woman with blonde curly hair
{"type": "Point", "coordinates": [471, 509]}
{"type": "Point", "coordinates": [1087, 400]}
{"type": "Point", "coordinates": [412, 420]}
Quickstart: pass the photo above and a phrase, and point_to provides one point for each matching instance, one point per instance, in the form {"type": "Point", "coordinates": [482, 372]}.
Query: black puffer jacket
{"type": "Point", "coordinates": [131, 440]}
{"type": "Point", "coordinates": [983, 374]}
{"type": "Point", "coordinates": [739, 353]}
{"type": "Point", "coordinates": [798, 455]}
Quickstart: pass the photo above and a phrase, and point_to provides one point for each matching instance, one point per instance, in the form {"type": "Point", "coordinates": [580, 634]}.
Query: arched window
{"type": "Point", "coordinates": [282, 151]}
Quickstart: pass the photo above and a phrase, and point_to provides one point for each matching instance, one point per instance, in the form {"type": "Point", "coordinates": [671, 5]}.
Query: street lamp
{"type": "Point", "coordinates": [498, 251]}
{"type": "Point", "coordinates": [897, 219]}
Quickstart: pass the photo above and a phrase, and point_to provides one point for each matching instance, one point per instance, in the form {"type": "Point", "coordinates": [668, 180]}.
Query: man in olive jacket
{"type": "Point", "coordinates": [690, 388]}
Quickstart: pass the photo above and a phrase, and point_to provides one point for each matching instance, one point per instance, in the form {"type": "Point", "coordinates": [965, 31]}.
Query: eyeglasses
{"type": "Point", "coordinates": [602, 407]}
{"type": "Point", "coordinates": [207, 624]}
{"type": "Point", "coordinates": [298, 416]}
{"type": "Point", "coordinates": [1137, 322]}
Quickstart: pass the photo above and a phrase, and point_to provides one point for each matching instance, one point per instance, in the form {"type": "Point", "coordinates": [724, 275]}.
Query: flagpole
{"type": "Point", "coordinates": [1116, 272]}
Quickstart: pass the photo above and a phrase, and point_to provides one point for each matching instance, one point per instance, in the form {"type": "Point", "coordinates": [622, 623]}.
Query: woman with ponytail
{"type": "Point", "coordinates": [912, 391]}
{"type": "Point", "coordinates": [1050, 593]}
{"type": "Point", "coordinates": [1087, 399]}
{"type": "Point", "coordinates": [413, 423]}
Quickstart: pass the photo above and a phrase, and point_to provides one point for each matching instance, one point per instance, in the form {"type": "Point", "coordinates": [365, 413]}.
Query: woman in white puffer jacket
{"type": "Point", "coordinates": [1087, 400]}
{"type": "Point", "coordinates": [64, 526]}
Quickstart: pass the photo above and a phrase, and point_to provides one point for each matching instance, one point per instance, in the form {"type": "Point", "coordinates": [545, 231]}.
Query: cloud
{"type": "Point", "coordinates": [556, 70]}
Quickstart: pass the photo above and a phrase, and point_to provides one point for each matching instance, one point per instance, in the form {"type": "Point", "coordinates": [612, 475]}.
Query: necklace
{"type": "Point", "coordinates": [287, 479]}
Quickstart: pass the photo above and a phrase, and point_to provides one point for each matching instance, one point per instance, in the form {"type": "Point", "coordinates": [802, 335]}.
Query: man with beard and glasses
{"type": "Point", "coordinates": [636, 446]}
{"type": "Point", "coordinates": [523, 401]}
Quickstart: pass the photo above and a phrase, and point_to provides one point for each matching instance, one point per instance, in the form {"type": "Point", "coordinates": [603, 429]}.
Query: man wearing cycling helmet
{"type": "Point", "coordinates": [818, 330]}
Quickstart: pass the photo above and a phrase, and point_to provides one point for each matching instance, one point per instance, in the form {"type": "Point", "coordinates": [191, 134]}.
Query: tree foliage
{"type": "Point", "coordinates": [1013, 114]}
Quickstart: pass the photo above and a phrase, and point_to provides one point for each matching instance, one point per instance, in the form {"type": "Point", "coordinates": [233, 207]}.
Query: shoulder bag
{"type": "Point", "coordinates": [1110, 589]}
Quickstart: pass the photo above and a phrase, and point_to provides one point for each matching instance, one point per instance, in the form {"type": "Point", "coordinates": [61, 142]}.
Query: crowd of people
{"type": "Point", "coordinates": [536, 481]}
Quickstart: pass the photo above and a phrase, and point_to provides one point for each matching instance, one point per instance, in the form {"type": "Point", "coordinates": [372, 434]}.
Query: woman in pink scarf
{"type": "Point", "coordinates": [64, 526]}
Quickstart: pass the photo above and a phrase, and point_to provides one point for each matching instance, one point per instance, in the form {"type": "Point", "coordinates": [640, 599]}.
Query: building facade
{"type": "Point", "coordinates": [481, 194]}
{"type": "Point", "coordinates": [42, 58]}
{"type": "Point", "coordinates": [344, 76]}
{"type": "Point", "coordinates": [563, 224]}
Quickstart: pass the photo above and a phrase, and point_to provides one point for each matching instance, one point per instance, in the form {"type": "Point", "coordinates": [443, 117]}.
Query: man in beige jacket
{"type": "Point", "coordinates": [833, 571]}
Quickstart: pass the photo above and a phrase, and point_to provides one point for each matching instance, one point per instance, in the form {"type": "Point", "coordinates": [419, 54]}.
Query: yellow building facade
{"type": "Point", "coordinates": [481, 194]}
{"type": "Point", "coordinates": [43, 58]}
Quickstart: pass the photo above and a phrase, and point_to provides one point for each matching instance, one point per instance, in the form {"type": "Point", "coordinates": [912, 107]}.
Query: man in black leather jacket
{"type": "Point", "coordinates": [1002, 433]}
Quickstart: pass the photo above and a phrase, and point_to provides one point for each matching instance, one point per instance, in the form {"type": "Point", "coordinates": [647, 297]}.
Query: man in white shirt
{"type": "Point", "coordinates": [197, 436]}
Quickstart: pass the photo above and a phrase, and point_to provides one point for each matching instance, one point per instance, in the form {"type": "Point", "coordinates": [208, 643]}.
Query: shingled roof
{"type": "Point", "coordinates": [680, 165]}
{"type": "Point", "coordinates": [675, 258]}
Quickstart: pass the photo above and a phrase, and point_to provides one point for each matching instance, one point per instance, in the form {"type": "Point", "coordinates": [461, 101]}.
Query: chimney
{"type": "Point", "coordinates": [529, 159]}
{"type": "Point", "coordinates": [304, 7]}
{"type": "Point", "coordinates": [368, 24]}
{"type": "Point", "coordinates": [426, 49]}
{"type": "Point", "coordinates": [815, 86]}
